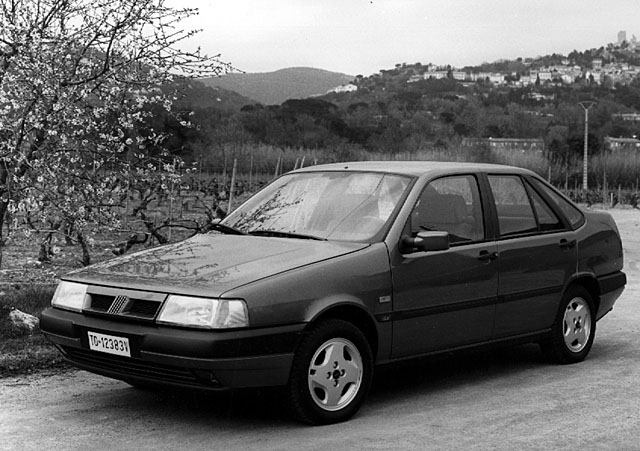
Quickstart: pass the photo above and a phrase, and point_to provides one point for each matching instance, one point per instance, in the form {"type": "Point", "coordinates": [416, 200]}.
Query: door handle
{"type": "Point", "coordinates": [566, 244]}
{"type": "Point", "coordinates": [487, 256]}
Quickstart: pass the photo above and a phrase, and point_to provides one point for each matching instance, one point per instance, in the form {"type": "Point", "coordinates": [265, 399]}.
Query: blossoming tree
{"type": "Point", "coordinates": [77, 81]}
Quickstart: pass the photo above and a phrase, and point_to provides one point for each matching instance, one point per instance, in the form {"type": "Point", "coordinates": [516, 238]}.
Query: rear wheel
{"type": "Point", "coordinates": [574, 329]}
{"type": "Point", "coordinates": [331, 373]}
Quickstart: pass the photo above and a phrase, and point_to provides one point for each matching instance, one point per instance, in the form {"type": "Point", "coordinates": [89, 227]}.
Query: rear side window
{"type": "Point", "coordinates": [515, 214]}
{"type": "Point", "coordinates": [570, 211]}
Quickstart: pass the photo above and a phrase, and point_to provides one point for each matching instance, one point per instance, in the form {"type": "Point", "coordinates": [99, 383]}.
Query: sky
{"type": "Point", "coordinates": [365, 36]}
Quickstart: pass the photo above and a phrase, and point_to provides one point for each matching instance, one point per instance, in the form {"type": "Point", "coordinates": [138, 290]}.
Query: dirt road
{"type": "Point", "coordinates": [511, 399]}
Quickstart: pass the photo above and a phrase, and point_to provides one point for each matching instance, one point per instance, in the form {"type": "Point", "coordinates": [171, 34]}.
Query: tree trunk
{"type": "Point", "coordinates": [86, 255]}
{"type": "Point", "coordinates": [3, 214]}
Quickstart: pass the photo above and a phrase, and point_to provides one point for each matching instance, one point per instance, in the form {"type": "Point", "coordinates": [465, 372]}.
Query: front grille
{"type": "Point", "coordinates": [142, 308]}
{"type": "Point", "coordinates": [120, 305]}
{"type": "Point", "coordinates": [124, 366]}
{"type": "Point", "coordinates": [100, 302]}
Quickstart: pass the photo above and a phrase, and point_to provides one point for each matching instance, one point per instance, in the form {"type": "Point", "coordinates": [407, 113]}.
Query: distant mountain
{"type": "Point", "coordinates": [194, 94]}
{"type": "Point", "coordinates": [273, 88]}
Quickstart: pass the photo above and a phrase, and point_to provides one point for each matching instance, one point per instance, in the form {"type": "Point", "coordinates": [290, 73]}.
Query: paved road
{"type": "Point", "coordinates": [510, 400]}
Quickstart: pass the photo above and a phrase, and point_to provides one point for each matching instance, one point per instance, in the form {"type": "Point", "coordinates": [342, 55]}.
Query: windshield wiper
{"type": "Point", "coordinates": [227, 229]}
{"type": "Point", "coordinates": [280, 234]}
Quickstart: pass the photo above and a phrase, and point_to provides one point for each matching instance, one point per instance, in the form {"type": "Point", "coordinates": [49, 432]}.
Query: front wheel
{"type": "Point", "coordinates": [331, 373]}
{"type": "Point", "coordinates": [574, 329]}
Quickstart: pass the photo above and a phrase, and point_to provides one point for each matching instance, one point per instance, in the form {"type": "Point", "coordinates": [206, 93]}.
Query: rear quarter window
{"type": "Point", "coordinates": [570, 211]}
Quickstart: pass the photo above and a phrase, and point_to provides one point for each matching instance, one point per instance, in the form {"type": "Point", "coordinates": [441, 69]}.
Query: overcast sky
{"type": "Point", "coordinates": [364, 36]}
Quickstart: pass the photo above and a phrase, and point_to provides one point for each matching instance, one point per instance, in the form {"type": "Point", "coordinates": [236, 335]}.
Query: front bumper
{"type": "Point", "coordinates": [176, 356]}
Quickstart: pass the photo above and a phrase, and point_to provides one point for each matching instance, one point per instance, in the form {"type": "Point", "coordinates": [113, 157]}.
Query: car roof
{"type": "Point", "coordinates": [416, 168]}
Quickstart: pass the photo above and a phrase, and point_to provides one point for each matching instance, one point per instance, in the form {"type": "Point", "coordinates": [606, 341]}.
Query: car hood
{"type": "Point", "coordinates": [210, 264]}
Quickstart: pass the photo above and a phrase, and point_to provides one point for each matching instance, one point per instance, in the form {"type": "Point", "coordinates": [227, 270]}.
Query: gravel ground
{"type": "Point", "coordinates": [508, 399]}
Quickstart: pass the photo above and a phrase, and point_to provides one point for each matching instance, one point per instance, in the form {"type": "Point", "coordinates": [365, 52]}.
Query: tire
{"type": "Point", "coordinates": [331, 373]}
{"type": "Point", "coordinates": [574, 329]}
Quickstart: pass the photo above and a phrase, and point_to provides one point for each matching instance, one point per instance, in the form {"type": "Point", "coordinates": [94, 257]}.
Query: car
{"type": "Point", "coordinates": [332, 270]}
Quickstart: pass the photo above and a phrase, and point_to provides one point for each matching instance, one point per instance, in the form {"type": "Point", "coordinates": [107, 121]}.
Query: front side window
{"type": "Point", "coordinates": [327, 205]}
{"type": "Point", "coordinates": [450, 204]}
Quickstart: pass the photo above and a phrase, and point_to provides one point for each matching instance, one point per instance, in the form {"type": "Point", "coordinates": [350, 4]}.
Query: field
{"type": "Point", "coordinates": [36, 252]}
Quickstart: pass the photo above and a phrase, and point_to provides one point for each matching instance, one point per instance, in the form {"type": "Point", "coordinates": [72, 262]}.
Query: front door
{"type": "Point", "coordinates": [445, 299]}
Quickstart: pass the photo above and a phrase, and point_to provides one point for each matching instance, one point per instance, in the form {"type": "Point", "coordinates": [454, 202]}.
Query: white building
{"type": "Point", "coordinates": [344, 88]}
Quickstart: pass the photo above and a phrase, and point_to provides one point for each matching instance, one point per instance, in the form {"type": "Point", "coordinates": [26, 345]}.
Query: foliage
{"type": "Point", "coordinates": [389, 115]}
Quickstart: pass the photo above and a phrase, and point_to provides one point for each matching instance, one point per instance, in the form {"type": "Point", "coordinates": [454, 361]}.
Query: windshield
{"type": "Point", "coordinates": [350, 206]}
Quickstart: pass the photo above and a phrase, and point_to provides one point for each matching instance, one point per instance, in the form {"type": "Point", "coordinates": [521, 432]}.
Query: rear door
{"type": "Point", "coordinates": [537, 255]}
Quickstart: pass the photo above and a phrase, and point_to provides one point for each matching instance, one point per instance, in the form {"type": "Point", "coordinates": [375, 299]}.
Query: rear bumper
{"type": "Point", "coordinates": [611, 287]}
{"type": "Point", "coordinates": [178, 357]}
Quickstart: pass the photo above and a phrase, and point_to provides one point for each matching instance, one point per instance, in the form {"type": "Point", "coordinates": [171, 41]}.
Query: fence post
{"type": "Point", "coordinates": [277, 167]}
{"type": "Point", "coordinates": [250, 173]}
{"type": "Point", "coordinates": [619, 194]}
{"type": "Point", "coordinates": [233, 183]}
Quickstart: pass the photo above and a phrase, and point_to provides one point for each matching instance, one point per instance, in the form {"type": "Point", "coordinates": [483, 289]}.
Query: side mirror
{"type": "Point", "coordinates": [426, 241]}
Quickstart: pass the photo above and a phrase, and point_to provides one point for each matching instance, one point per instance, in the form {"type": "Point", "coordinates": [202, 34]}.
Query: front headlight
{"type": "Point", "coordinates": [70, 296]}
{"type": "Point", "coordinates": [204, 313]}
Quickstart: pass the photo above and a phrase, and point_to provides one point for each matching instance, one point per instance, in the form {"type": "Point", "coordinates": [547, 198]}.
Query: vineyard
{"type": "Point", "coordinates": [40, 248]}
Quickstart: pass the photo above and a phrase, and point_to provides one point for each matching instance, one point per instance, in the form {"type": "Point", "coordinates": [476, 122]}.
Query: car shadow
{"type": "Point", "coordinates": [393, 384]}
{"type": "Point", "coordinates": [250, 406]}
{"type": "Point", "coordinates": [450, 369]}
{"type": "Point", "coordinates": [268, 406]}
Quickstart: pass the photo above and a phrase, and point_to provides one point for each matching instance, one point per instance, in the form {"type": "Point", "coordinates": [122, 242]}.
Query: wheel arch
{"type": "Point", "coordinates": [589, 283]}
{"type": "Point", "coordinates": [355, 315]}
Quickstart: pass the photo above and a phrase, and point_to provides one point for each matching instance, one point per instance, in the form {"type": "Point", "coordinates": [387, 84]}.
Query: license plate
{"type": "Point", "coordinates": [109, 344]}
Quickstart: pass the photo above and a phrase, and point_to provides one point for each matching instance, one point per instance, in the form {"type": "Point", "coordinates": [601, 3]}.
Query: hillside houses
{"type": "Point", "coordinates": [621, 144]}
{"type": "Point", "coordinates": [495, 78]}
{"type": "Point", "coordinates": [603, 68]}
{"type": "Point", "coordinates": [610, 144]}
{"type": "Point", "coordinates": [598, 73]}
{"type": "Point", "coordinates": [629, 117]}
{"type": "Point", "coordinates": [506, 144]}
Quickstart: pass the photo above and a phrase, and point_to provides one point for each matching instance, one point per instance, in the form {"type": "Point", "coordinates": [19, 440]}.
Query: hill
{"type": "Point", "coordinates": [273, 88]}
{"type": "Point", "coordinates": [193, 94]}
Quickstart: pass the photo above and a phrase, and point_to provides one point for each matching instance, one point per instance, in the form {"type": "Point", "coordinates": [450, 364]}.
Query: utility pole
{"type": "Point", "coordinates": [585, 106]}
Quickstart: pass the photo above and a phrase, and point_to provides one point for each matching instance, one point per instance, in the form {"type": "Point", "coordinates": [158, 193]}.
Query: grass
{"type": "Point", "coordinates": [31, 299]}
{"type": "Point", "coordinates": [25, 353]}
